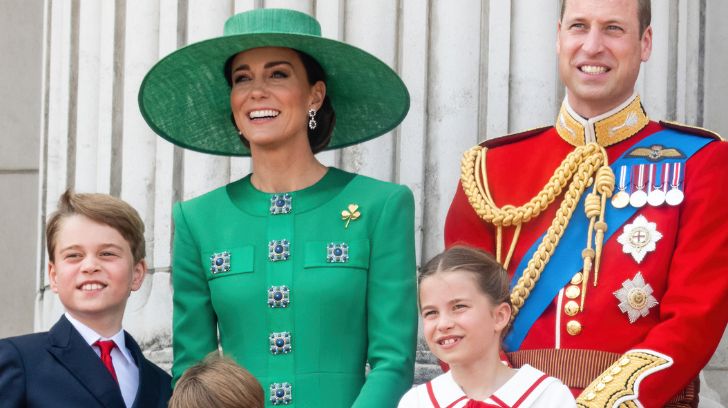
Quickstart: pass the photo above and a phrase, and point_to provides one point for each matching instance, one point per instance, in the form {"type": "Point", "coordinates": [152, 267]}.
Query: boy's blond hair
{"type": "Point", "coordinates": [217, 382]}
{"type": "Point", "coordinates": [101, 208]}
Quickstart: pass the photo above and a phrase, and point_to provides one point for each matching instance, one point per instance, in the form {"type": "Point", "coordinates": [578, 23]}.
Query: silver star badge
{"type": "Point", "coordinates": [635, 298]}
{"type": "Point", "coordinates": [639, 238]}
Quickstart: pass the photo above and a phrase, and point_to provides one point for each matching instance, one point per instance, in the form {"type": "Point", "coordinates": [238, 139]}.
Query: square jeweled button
{"type": "Point", "coordinates": [280, 343]}
{"type": "Point", "coordinates": [281, 204]}
{"type": "Point", "coordinates": [279, 250]}
{"type": "Point", "coordinates": [220, 262]}
{"type": "Point", "coordinates": [279, 296]}
{"type": "Point", "coordinates": [281, 393]}
{"type": "Point", "coordinates": [337, 252]}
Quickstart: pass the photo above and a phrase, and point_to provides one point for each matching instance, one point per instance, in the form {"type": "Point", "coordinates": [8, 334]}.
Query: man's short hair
{"type": "Point", "coordinates": [644, 13]}
{"type": "Point", "coordinates": [101, 208]}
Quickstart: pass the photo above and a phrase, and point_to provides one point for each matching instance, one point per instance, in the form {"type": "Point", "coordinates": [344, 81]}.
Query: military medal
{"type": "Point", "coordinates": [635, 298]}
{"type": "Point", "coordinates": [675, 196]}
{"type": "Point", "coordinates": [656, 196]}
{"type": "Point", "coordinates": [621, 199]}
{"type": "Point", "coordinates": [639, 238]}
{"type": "Point", "coordinates": [638, 198]}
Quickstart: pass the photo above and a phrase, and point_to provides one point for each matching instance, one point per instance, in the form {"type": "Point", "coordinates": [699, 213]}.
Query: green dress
{"type": "Point", "coordinates": [300, 298]}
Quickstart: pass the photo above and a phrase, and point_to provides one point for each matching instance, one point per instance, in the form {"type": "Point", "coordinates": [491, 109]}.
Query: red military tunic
{"type": "Point", "coordinates": [687, 271]}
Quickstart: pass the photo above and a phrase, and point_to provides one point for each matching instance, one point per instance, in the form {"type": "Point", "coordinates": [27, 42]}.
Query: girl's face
{"type": "Point", "coordinates": [271, 96]}
{"type": "Point", "coordinates": [461, 323]}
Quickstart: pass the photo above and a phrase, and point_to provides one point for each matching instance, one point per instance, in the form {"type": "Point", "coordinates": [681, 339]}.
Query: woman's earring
{"type": "Point", "coordinates": [312, 121]}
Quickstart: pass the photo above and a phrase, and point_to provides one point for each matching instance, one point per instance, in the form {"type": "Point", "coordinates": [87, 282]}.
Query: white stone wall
{"type": "Point", "coordinates": [476, 69]}
{"type": "Point", "coordinates": [21, 33]}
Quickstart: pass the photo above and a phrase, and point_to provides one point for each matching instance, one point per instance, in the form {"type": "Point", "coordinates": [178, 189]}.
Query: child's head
{"type": "Point", "coordinates": [103, 209]}
{"type": "Point", "coordinates": [465, 304]}
{"type": "Point", "coordinates": [96, 255]}
{"type": "Point", "coordinates": [217, 382]}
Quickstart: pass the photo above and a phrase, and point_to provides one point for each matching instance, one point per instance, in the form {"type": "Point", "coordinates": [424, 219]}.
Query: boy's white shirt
{"type": "Point", "coordinates": [125, 367]}
{"type": "Point", "coordinates": [548, 393]}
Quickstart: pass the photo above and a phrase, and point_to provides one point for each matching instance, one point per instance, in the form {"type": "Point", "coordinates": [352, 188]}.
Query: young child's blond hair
{"type": "Point", "coordinates": [217, 382]}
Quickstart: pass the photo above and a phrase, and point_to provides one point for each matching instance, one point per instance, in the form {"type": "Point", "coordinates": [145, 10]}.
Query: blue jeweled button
{"type": "Point", "coordinates": [280, 343]}
{"type": "Point", "coordinates": [337, 252]}
{"type": "Point", "coordinates": [278, 296]}
{"type": "Point", "coordinates": [280, 204]}
{"type": "Point", "coordinates": [279, 250]}
{"type": "Point", "coordinates": [280, 393]}
{"type": "Point", "coordinates": [220, 262]}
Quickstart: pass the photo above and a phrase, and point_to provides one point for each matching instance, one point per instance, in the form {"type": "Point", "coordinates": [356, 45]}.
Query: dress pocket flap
{"type": "Point", "coordinates": [228, 261]}
{"type": "Point", "coordinates": [337, 254]}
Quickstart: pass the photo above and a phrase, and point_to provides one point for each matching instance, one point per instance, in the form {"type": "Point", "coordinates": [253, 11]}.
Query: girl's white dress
{"type": "Point", "coordinates": [529, 387]}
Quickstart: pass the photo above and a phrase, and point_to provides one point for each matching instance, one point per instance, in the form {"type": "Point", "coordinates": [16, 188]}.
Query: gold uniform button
{"type": "Point", "coordinates": [573, 327]}
{"type": "Point", "coordinates": [571, 308]}
{"type": "Point", "coordinates": [573, 292]}
{"type": "Point", "coordinates": [577, 278]}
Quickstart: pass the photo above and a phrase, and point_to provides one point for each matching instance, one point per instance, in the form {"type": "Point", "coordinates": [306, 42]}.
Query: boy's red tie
{"type": "Point", "coordinates": [106, 346]}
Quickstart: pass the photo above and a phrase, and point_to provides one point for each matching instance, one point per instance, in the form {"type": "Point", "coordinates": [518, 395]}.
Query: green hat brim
{"type": "Point", "coordinates": [185, 97]}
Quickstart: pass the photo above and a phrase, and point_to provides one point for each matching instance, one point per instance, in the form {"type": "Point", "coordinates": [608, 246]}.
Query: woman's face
{"type": "Point", "coordinates": [271, 96]}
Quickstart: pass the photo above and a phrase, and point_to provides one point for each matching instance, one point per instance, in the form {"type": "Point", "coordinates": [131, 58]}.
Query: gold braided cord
{"type": "Point", "coordinates": [579, 170]}
{"type": "Point", "coordinates": [509, 215]}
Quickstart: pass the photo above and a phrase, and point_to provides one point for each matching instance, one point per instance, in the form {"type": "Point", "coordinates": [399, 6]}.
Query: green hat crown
{"type": "Point", "coordinates": [185, 97]}
{"type": "Point", "coordinates": [268, 21]}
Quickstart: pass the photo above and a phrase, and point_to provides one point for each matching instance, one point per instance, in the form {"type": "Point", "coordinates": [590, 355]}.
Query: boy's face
{"type": "Point", "coordinates": [94, 270]}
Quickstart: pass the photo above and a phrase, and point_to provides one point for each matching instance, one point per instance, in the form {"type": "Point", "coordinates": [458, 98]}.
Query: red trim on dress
{"type": "Point", "coordinates": [431, 393]}
{"type": "Point", "coordinates": [530, 390]}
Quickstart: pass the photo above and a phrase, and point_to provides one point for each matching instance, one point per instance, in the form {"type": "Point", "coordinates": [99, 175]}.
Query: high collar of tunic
{"type": "Point", "coordinates": [609, 128]}
{"type": "Point", "coordinates": [252, 201]}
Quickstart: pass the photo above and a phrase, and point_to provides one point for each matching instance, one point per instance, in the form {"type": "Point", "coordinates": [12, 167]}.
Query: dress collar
{"type": "Point", "coordinates": [248, 199]}
{"type": "Point", "coordinates": [609, 128]}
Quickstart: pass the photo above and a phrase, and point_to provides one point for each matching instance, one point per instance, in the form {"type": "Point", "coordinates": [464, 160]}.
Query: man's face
{"type": "Point", "coordinates": [600, 51]}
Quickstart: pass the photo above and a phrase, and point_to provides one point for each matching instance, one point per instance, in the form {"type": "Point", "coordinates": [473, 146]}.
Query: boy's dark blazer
{"type": "Point", "coordinates": [58, 369]}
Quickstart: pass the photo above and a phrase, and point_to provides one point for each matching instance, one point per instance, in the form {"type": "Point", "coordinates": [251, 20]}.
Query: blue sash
{"type": "Point", "coordinates": [566, 259]}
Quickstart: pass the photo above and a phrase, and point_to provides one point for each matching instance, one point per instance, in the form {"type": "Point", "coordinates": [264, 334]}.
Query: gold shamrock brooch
{"type": "Point", "coordinates": [350, 214]}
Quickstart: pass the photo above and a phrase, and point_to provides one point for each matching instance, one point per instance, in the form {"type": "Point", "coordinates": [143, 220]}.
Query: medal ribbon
{"type": "Point", "coordinates": [665, 176]}
{"type": "Point", "coordinates": [622, 178]}
{"type": "Point", "coordinates": [651, 178]}
{"type": "Point", "coordinates": [676, 175]}
{"type": "Point", "coordinates": [640, 179]}
{"type": "Point", "coordinates": [566, 259]}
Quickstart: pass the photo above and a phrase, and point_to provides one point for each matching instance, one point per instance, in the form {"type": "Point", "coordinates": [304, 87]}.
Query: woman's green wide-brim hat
{"type": "Point", "coordinates": [185, 97]}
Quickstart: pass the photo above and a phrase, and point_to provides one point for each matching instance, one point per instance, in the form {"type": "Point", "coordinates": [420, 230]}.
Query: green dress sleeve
{"type": "Point", "coordinates": [391, 304]}
{"type": "Point", "coordinates": [194, 321]}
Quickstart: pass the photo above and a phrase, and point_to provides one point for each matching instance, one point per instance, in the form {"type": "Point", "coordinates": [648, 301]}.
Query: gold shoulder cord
{"type": "Point", "coordinates": [585, 166]}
